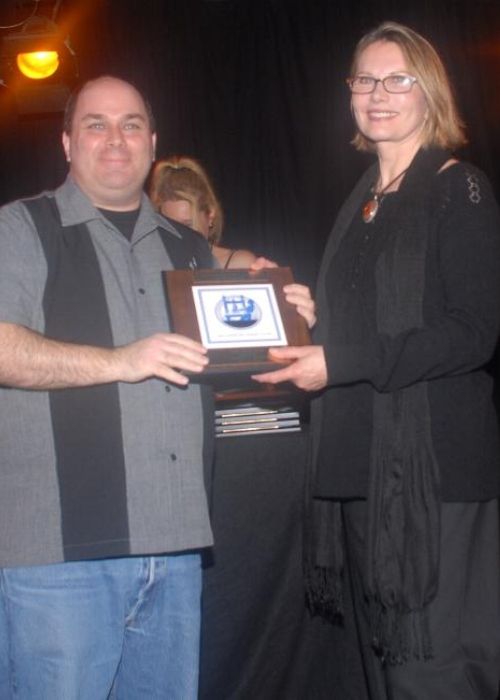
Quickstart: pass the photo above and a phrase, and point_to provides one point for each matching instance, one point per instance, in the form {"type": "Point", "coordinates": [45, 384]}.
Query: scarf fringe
{"type": "Point", "coordinates": [324, 595]}
{"type": "Point", "coordinates": [400, 636]}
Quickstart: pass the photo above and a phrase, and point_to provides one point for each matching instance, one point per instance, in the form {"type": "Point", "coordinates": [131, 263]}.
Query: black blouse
{"type": "Point", "coordinates": [461, 322]}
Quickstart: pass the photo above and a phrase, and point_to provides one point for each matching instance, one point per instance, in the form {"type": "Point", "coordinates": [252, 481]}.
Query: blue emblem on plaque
{"type": "Point", "coordinates": [238, 311]}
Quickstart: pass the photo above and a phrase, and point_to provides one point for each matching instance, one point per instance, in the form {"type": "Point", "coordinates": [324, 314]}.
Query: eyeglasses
{"type": "Point", "coordinates": [365, 84]}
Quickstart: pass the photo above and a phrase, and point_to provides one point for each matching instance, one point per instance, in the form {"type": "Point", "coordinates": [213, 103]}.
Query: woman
{"type": "Point", "coordinates": [181, 190]}
{"type": "Point", "coordinates": [406, 479]}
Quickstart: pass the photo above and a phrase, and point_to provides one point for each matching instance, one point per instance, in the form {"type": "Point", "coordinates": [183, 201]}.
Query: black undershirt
{"type": "Point", "coordinates": [124, 221]}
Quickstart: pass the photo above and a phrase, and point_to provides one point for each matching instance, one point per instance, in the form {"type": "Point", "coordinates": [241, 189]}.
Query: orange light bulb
{"type": "Point", "coordinates": [39, 64]}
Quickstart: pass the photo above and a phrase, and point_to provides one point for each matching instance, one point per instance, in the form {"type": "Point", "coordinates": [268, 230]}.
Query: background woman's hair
{"type": "Point", "coordinates": [183, 178]}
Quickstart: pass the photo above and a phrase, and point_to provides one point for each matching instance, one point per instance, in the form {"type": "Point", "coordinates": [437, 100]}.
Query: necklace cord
{"type": "Point", "coordinates": [384, 189]}
{"type": "Point", "coordinates": [370, 209]}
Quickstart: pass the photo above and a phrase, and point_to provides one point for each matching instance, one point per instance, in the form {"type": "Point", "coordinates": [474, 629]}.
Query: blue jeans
{"type": "Point", "coordinates": [114, 628]}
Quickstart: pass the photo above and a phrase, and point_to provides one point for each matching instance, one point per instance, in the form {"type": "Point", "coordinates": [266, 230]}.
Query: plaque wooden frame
{"type": "Point", "coordinates": [228, 363]}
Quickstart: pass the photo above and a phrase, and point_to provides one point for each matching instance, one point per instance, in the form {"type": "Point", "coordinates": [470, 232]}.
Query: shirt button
{"type": "Point", "coordinates": [142, 291]}
{"type": "Point", "coordinates": [168, 389]}
{"type": "Point", "coordinates": [173, 457]}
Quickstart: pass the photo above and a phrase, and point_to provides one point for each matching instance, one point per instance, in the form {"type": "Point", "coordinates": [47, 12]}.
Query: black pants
{"type": "Point", "coordinates": [464, 616]}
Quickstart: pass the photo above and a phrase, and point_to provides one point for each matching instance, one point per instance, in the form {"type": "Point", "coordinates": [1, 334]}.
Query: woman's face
{"type": "Point", "coordinates": [183, 211]}
{"type": "Point", "coordinates": [383, 117]}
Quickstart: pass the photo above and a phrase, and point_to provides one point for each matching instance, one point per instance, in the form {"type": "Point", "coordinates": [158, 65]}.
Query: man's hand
{"type": "Point", "coordinates": [307, 369]}
{"type": "Point", "coordinates": [29, 360]}
{"type": "Point", "coordinates": [161, 355]}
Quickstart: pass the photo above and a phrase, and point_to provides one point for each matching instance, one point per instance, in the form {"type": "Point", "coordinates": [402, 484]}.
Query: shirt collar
{"type": "Point", "coordinates": [76, 208]}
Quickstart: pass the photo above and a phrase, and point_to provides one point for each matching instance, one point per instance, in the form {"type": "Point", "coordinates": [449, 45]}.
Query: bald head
{"type": "Point", "coordinates": [69, 110]}
{"type": "Point", "coordinates": [109, 143]}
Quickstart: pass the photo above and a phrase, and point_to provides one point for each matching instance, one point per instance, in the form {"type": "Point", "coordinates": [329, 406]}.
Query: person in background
{"type": "Point", "coordinates": [403, 515]}
{"type": "Point", "coordinates": [182, 191]}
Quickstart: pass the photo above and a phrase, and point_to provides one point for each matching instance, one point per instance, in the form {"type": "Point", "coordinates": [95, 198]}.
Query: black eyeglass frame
{"type": "Point", "coordinates": [411, 78]}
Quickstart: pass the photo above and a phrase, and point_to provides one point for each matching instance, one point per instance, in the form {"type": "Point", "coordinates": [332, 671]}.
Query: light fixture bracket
{"type": "Point", "coordinates": [48, 93]}
{"type": "Point", "coordinates": [37, 34]}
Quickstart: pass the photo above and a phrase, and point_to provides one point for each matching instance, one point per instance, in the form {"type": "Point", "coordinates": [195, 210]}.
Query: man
{"type": "Point", "coordinates": [102, 503]}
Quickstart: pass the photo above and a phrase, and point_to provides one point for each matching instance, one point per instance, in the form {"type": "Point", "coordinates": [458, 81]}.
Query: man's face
{"type": "Point", "coordinates": [110, 146]}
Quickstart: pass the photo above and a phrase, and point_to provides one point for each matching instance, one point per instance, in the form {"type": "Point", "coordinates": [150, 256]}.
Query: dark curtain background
{"type": "Point", "coordinates": [255, 89]}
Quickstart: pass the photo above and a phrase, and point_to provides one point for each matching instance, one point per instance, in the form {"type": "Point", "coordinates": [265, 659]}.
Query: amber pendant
{"type": "Point", "coordinates": [370, 210]}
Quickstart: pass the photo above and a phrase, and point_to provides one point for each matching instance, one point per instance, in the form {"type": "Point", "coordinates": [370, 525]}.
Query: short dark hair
{"type": "Point", "coordinates": [69, 111]}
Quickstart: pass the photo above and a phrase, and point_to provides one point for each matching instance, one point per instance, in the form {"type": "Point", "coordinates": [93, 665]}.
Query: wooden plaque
{"type": "Point", "coordinates": [237, 314]}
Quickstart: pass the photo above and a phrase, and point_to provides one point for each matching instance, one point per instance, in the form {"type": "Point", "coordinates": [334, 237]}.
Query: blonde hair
{"type": "Point", "coordinates": [183, 178]}
{"type": "Point", "coordinates": [443, 126]}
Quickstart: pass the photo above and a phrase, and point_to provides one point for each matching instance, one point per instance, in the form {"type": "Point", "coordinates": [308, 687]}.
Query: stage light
{"type": "Point", "coordinates": [38, 65]}
{"type": "Point", "coordinates": [37, 35]}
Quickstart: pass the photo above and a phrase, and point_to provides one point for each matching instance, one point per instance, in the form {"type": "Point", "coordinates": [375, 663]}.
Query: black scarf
{"type": "Point", "coordinates": [403, 522]}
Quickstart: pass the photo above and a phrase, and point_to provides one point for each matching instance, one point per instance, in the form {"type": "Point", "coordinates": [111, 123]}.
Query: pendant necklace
{"type": "Point", "coordinates": [370, 209]}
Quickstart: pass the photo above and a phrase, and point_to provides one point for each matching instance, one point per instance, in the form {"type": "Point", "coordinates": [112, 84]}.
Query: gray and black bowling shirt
{"type": "Point", "coordinates": [113, 470]}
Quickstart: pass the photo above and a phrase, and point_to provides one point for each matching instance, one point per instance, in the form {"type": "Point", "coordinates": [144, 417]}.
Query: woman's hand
{"type": "Point", "coordinates": [262, 264]}
{"type": "Point", "coordinates": [297, 294]}
{"type": "Point", "coordinates": [307, 369]}
{"type": "Point", "coordinates": [300, 296]}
